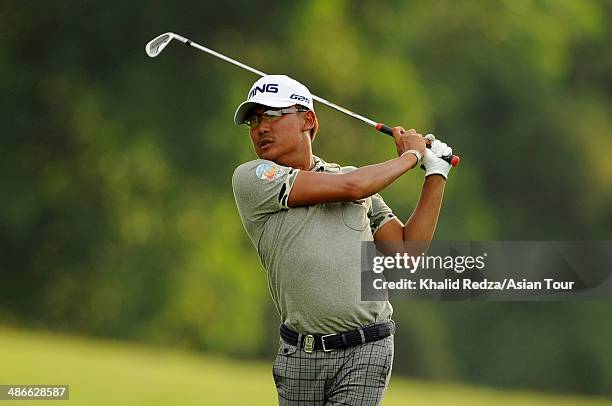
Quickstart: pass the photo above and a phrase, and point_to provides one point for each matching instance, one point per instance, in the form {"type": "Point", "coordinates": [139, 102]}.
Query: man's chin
{"type": "Point", "coordinates": [267, 155]}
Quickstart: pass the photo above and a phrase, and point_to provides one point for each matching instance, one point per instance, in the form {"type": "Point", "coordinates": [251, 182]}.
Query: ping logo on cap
{"type": "Point", "coordinates": [266, 88]}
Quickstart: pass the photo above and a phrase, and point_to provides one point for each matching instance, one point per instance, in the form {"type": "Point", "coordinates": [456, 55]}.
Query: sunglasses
{"type": "Point", "coordinates": [254, 120]}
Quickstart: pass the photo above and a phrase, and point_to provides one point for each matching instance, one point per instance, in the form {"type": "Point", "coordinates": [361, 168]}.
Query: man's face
{"type": "Point", "coordinates": [280, 137]}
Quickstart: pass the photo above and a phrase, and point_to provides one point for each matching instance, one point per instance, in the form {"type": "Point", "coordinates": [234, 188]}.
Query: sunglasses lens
{"type": "Point", "coordinates": [252, 122]}
{"type": "Point", "coordinates": [269, 115]}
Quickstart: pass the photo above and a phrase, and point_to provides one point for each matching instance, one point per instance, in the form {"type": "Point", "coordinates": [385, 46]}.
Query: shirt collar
{"type": "Point", "coordinates": [322, 166]}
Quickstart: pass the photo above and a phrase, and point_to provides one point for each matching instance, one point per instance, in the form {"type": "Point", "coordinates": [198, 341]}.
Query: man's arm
{"type": "Point", "coordinates": [315, 187]}
{"type": "Point", "coordinates": [420, 227]}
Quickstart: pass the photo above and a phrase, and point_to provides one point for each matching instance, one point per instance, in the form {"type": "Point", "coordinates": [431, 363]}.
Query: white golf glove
{"type": "Point", "coordinates": [432, 161]}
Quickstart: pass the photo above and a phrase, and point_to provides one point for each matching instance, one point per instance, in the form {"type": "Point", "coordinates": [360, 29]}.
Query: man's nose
{"type": "Point", "coordinates": [264, 127]}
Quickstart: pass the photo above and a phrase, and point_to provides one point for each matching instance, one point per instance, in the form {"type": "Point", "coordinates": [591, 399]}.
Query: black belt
{"type": "Point", "coordinates": [337, 341]}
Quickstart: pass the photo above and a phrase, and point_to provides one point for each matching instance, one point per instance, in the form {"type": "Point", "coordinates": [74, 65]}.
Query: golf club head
{"type": "Point", "coordinates": [157, 45]}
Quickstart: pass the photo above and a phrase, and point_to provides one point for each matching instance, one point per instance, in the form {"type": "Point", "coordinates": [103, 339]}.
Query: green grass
{"type": "Point", "coordinates": [110, 373]}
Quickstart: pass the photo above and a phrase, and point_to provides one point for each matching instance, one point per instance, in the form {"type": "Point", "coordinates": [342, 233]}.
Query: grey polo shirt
{"type": "Point", "coordinates": [312, 254]}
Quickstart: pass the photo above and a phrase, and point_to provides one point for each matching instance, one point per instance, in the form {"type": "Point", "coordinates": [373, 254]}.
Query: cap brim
{"type": "Point", "coordinates": [245, 107]}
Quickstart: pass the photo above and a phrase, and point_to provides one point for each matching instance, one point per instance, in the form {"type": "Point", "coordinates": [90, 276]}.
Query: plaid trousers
{"type": "Point", "coordinates": [357, 375]}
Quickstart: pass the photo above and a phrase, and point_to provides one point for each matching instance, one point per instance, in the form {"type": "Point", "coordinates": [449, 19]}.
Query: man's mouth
{"type": "Point", "coordinates": [264, 142]}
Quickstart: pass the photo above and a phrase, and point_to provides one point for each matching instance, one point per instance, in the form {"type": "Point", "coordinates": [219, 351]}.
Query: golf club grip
{"type": "Point", "coordinates": [451, 159]}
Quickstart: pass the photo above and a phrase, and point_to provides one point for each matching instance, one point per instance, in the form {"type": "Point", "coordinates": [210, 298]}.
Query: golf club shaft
{"type": "Point", "coordinates": [451, 159]}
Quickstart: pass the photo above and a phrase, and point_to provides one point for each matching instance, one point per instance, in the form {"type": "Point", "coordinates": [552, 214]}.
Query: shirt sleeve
{"type": "Point", "coordinates": [261, 188]}
{"type": "Point", "coordinates": [379, 214]}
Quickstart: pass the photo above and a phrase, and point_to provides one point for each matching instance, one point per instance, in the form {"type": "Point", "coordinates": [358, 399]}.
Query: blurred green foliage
{"type": "Point", "coordinates": [117, 217]}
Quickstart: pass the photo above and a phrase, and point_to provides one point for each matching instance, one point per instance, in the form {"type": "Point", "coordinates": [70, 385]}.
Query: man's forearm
{"type": "Point", "coordinates": [371, 179]}
{"type": "Point", "coordinates": [314, 188]}
{"type": "Point", "coordinates": [422, 223]}
{"type": "Point", "coordinates": [414, 237]}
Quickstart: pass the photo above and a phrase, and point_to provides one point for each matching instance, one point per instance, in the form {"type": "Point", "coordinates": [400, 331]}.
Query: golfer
{"type": "Point", "coordinates": [306, 219]}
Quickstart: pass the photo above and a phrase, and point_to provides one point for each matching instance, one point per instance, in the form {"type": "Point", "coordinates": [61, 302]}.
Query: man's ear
{"type": "Point", "coordinates": [309, 121]}
{"type": "Point", "coordinates": [311, 124]}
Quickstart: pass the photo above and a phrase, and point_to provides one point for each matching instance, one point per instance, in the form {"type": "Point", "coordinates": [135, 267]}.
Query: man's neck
{"type": "Point", "coordinates": [304, 161]}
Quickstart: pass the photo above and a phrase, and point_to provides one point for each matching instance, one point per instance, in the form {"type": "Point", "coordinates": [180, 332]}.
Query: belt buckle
{"type": "Point", "coordinates": [323, 341]}
{"type": "Point", "coordinates": [309, 343]}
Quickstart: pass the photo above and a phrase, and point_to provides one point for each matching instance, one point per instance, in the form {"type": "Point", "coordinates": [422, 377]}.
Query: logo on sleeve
{"type": "Point", "coordinates": [269, 171]}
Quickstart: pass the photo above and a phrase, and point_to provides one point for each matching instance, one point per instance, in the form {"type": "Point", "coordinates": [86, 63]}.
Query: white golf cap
{"type": "Point", "coordinates": [274, 91]}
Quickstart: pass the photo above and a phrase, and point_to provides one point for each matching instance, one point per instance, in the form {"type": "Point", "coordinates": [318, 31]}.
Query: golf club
{"type": "Point", "coordinates": [157, 45]}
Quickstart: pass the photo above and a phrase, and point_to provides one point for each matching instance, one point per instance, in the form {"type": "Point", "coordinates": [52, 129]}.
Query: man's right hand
{"type": "Point", "coordinates": [406, 140]}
